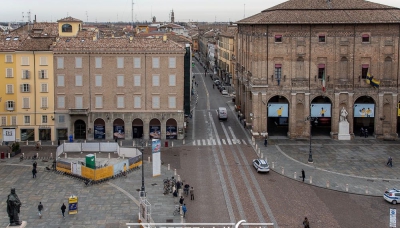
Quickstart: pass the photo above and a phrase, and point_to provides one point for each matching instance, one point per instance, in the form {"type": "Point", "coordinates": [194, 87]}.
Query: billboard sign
{"type": "Point", "coordinates": [278, 110]}
{"type": "Point", "coordinates": [321, 110]}
{"type": "Point", "coordinates": [364, 110]}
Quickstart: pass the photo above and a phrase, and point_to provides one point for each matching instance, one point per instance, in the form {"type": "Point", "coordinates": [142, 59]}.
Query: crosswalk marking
{"type": "Point", "coordinates": [204, 142]}
{"type": "Point", "coordinates": [214, 142]}
{"type": "Point", "coordinates": [223, 141]}
{"type": "Point", "coordinates": [209, 142]}
{"type": "Point", "coordinates": [244, 142]}
{"type": "Point", "coordinates": [229, 141]}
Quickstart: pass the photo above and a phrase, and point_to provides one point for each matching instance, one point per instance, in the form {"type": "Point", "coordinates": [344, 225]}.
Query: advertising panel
{"type": "Point", "coordinates": [119, 132]}
{"type": "Point", "coordinates": [171, 132]}
{"type": "Point", "coordinates": [155, 132]}
{"type": "Point", "coordinates": [321, 110]}
{"type": "Point", "coordinates": [278, 110]}
{"type": "Point", "coordinates": [104, 172]}
{"type": "Point", "coordinates": [155, 148]}
{"type": "Point", "coordinates": [8, 135]}
{"type": "Point", "coordinates": [364, 110]}
{"type": "Point", "coordinates": [121, 167]}
{"type": "Point", "coordinates": [99, 132]}
{"type": "Point", "coordinates": [73, 205]}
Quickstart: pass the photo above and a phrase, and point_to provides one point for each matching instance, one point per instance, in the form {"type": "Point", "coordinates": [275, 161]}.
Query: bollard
{"type": "Point", "coordinates": [347, 187]}
{"type": "Point", "coordinates": [259, 151]}
{"type": "Point", "coordinates": [148, 159]}
{"type": "Point", "coordinates": [181, 215]}
{"type": "Point", "coordinates": [283, 170]}
{"type": "Point", "coordinates": [52, 143]}
{"type": "Point", "coordinates": [95, 155]}
{"type": "Point", "coordinates": [133, 143]}
{"type": "Point", "coordinates": [327, 184]}
{"type": "Point", "coordinates": [23, 154]}
{"type": "Point", "coordinates": [183, 142]}
{"type": "Point", "coordinates": [146, 143]}
{"type": "Point", "coordinates": [273, 165]}
{"type": "Point", "coordinates": [120, 143]}
{"type": "Point", "coordinates": [172, 143]}
{"type": "Point", "coordinates": [37, 155]}
{"type": "Point", "coordinates": [366, 191]}
{"type": "Point", "coordinates": [168, 166]}
{"type": "Point", "coordinates": [85, 141]}
{"type": "Point", "coordinates": [295, 175]}
{"type": "Point", "coordinates": [65, 155]}
{"type": "Point", "coordinates": [179, 178]}
{"type": "Point", "coordinates": [262, 155]}
{"type": "Point", "coordinates": [180, 211]}
{"type": "Point", "coordinates": [174, 172]}
{"type": "Point", "coordinates": [9, 155]}
{"type": "Point", "coordinates": [51, 155]}
{"type": "Point", "coordinates": [310, 179]}
{"type": "Point", "coordinates": [109, 156]}
{"type": "Point", "coordinates": [26, 142]}
{"type": "Point", "coordinates": [256, 146]}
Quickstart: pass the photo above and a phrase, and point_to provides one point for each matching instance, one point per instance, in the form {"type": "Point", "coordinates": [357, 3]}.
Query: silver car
{"type": "Point", "coordinates": [261, 165]}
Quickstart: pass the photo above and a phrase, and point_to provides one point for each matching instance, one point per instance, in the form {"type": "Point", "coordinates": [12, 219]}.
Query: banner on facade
{"type": "Point", "coordinates": [155, 132]}
{"type": "Point", "coordinates": [119, 132]}
{"type": "Point", "coordinates": [156, 152]}
{"type": "Point", "coordinates": [9, 135]}
{"type": "Point", "coordinates": [364, 110]}
{"type": "Point", "coordinates": [278, 110]}
{"type": "Point", "coordinates": [99, 132]}
{"type": "Point", "coordinates": [171, 132]}
{"type": "Point", "coordinates": [320, 110]}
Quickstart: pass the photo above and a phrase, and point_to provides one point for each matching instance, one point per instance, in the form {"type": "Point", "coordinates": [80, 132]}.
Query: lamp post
{"type": "Point", "coordinates": [311, 120]}
{"type": "Point", "coordinates": [140, 141]}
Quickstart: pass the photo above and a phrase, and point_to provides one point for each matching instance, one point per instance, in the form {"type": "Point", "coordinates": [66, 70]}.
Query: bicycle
{"type": "Point", "coordinates": [177, 210]}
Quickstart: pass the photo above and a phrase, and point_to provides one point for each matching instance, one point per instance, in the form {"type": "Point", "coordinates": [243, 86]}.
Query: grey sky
{"type": "Point", "coordinates": [113, 10]}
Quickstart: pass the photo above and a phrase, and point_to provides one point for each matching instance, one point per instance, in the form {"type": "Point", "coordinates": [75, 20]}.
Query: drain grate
{"type": "Point", "coordinates": [154, 184]}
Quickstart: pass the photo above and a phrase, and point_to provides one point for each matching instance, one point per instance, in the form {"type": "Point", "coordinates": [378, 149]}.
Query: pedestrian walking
{"type": "Point", "coordinates": [63, 207]}
{"type": "Point", "coordinates": [178, 185]}
{"type": "Point", "coordinates": [303, 174]}
{"type": "Point", "coordinates": [34, 164]}
{"type": "Point", "coordinates": [40, 209]}
{"type": "Point", "coordinates": [306, 224]}
{"type": "Point", "coordinates": [362, 132]}
{"type": "Point", "coordinates": [34, 173]}
{"type": "Point", "coordinates": [184, 209]}
{"type": "Point", "coordinates": [191, 193]}
{"type": "Point", "coordinates": [389, 162]}
{"type": "Point", "coordinates": [265, 142]}
{"type": "Point", "coordinates": [181, 200]}
{"type": "Point", "coordinates": [366, 133]}
{"type": "Point", "coordinates": [186, 189]}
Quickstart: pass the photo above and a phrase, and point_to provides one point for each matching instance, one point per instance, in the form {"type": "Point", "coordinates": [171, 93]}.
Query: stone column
{"type": "Point", "coordinates": [292, 116]}
{"type": "Point", "coordinates": [394, 117]}
{"type": "Point", "coordinates": [378, 113]}
{"type": "Point", "coordinates": [350, 117]}
{"type": "Point", "coordinates": [307, 105]}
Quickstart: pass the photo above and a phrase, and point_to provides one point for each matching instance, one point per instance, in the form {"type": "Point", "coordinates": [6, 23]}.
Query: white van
{"type": "Point", "coordinates": [222, 113]}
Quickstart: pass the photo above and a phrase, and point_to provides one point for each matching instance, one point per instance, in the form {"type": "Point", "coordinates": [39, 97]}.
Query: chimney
{"type": "Point", "coordinates": [164, 38]}
{"type": "Point", "coordinates": [34, 21]}
{"type": "Point", "coordinates": [130, 39]}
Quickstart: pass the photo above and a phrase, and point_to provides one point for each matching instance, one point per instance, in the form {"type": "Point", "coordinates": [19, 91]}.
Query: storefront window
{"type": "Point", "coordinates": [62, 134]}
{"type": "Point", "coordinates": [27, 134]}
{"type": "Point", "coordinates": [44, 134]}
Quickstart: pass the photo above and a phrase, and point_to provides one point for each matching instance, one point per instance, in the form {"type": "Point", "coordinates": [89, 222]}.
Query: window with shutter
{"type": "Point", "coordinates": [14, 120]}
{"type": "Point", "coordinates": [42, 74]}
{"type": "Point", "coordinates": [61, 119]}
{"type": "Point", "coordinates": [78, 62]}
{"type": "Point", "coordinates": [156, 62]}
{"type": "Point", "coordinates": [27, 119]}
{"type": "Point", "coordinates": [10, 105]}
{"type": "Point", "coordinates": [120, 102]}
{"type": "Point", "coordinates": [44, 88]}
{"type": "Point", "coordinates": [120, 62]}
{"type": "Point", "coordinates": [9, 58]}
{"type": "Point", "coordinates": [78, 80]}
{"type": "Point", "coordinates": [44, 119]}
{"type": "Point", "coordinates": [156, 102]}
{"type": "Point", "coordinates": [98, 62]}
{"type": "Point", "coordinates": [25, 61]}
{"type": "Point", "coordinates": [25, 74]}
{"type": "Point", "coordinates": [172, 80]}
{"type": "Point", "coordinates": [98, 80]}
{"type": "Point", "coordinates": [99, 102]}
{"type": "Point", "coordinates": [44, 102]}
{"type": "Point", "coordinates": [156, 80]}
{"type": "Point", "coordinates": [172, 62]}
{"type": "Point", "coordinates": [137, 102]}
{"type": "Point", "coordinates": [120, 80]}
{"type": "Point", "coordinates": [61, 102]}
{"type": "Point", "coordinates": [60, 80]}
{"type": "Point", "coordinates": [25, 102]}
{"type": "Point", "coordinates": [43, 61]}
{"type": "Point", "coordinates": [78, 102]}
{"type": "Point", "coordinates": [3, 121]}
{"type": "Point", "coordinates": [136, 80]}
{"type": "Point", "coordinates": [10, 88]}
{"type": "Point", "coordinates": [136, 62]}
{"type": "Point", "coordinates": [9, 73]}
{"type": "Point", "coordinates": [60, 62]}
{"type": "Point", "coordinates": [25, 88]}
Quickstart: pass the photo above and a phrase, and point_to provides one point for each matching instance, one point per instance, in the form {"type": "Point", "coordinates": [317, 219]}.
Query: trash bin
{"type": "Point", "coordinates": [71, 138]}
{"type": "Point", "coordinates": [2, 155]}
{"type": "Point", "coordinates": [265, 142]}
{"type": "Point", "coordinates": [166, 144]}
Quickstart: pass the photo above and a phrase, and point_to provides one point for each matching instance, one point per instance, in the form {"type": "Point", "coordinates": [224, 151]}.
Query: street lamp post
{"type": "Point", "coordinates": [311, 120]}
{"type": "Point", "coordinates": [140, 141]}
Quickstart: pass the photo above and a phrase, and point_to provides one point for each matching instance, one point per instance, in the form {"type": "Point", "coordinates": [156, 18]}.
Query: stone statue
{"type": "Point", "coordinates": [13, 208]}
{"type": "Point", "coordinates": [343, 115]}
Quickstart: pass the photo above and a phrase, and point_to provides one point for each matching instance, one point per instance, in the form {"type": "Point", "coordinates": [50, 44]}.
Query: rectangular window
{"type": "Point", "coordinates": [365, 38]}
{"type": "Point", "coordinates": [99, 102]}
{"type": "Point", "coordinates": [98, 62]}
{"type": "Point", "coordinates": [136, 62]}
{"type": "Point", "coordinates": [9, 88]}
{"type": "Point", "coordinates": [13, 120]}
{"type": "Point", "coordinates": [137, 102]}
{"type": "Point", "coordinates": [321, 38]}
{"type": "Point", "coordinates": [156, 62]}
{"type": "Point", "coordinates": [136, 80]}
{"type": "Point", "coordinates": [155, 102]}
{"type": "Point", "coordinates": [44, 88]}
{"type": "Point", "coordinates": [156, 80]}
{"type": "Point", "coordinates": [60, 62]}
{"type": "Point", "coordinates": [25, 102]}
{"type": "Point", "coordinates": [364, 71]}
{"type": "Point", "coordinates": [78, 102]}
{"type": "Point", "coordinates": [9, 72]}
{"type": "Point", "coordinates": [9, 58]}
{"type": "Point", "coordinates": [25, 61]}
{"type": "Point", "coordinates": [42, 74]}
{"type": "Point", "coordinates": [25, 74]}
{"type": "Point", "coordinates": [44, 102]}
{"type": "Point", "coordinates": [278, 72]}
{"type": "Point", "coordinates": [61, 119]}
{"type": "Point", "coordinates": [172, 102]}
{"type": "Point", "coordinates": [120, 102]}
{"type": "Point", "coordinates": [98, 80]}
{"type": "Point", "coordinates": [25, 88]}
{"type": "Point", "coordinates": [120, 62]}
{"type": "Point", "coordinates": [172, 80]}
{"type": "Point", "coordinates": [61, 102]}
{"type": "Point", "coordinates": [44, 119]}
{"type": "Point", "coordinates": [27, 119]}
{"type": "Point", "coordinates": [10, 105]}
{"type": "Point", "coordinates": [43, 61]}
{"type": "Point", "coordinates": [60, 80]}
{"type": "Point", "coordinates": [278, 38]}
{"type": "Point", "coordinates": [78, 62]}
{"type": "Point", "coordinates": [120, 80]}
{"type": "Point", "coordinates": [78, 80]}
{"type": "Point", "coordinates": [3, 120]}
{"type": "Point", "coordinates": [321, 71]}
{"type": "Point", "coordinates": [172, 62]}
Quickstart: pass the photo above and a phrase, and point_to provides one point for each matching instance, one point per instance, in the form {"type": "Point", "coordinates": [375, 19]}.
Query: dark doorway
{"type": "Point", "coordinates": [278, 116]}
{"type": "Point", "coordinates": [99, 129]}
{"type": "Point", "coordinates": [364, 116]}
{"type": "Point", "coordinates": [80, 129]}
{"type": "Point", "coordinates": [321, 108]}
{"type": "Point", "coordinates": [137, 128]}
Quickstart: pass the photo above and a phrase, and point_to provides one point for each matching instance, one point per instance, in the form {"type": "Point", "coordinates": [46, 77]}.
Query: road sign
{"type": "Point", "coordinates": [392, 219]}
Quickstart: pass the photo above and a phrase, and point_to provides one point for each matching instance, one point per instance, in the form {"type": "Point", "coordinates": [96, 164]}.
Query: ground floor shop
{"type": "Point", "coordinates": [27, 133]}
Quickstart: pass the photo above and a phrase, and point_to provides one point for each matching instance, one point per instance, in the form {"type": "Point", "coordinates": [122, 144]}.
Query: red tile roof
{"type": "Point", "coordinates": [69, 19]}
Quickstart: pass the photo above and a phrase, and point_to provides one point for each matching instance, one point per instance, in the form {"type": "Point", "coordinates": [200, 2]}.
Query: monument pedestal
{"type": "Point", "coordinates": [344, 131]}
{"type": "Point", "coordinates": [23, 225]}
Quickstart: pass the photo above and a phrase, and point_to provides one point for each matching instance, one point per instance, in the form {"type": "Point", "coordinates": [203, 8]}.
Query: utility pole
{"type": "Point", "coordinates": [132, 14]}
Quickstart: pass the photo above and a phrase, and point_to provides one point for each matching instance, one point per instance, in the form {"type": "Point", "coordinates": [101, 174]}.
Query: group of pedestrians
{"type": "Point", "coordinates": [41, 208]}
{"type": "Point", "coordinates": [188, 190]}
{"type": "Point", "coordinates": [364, 132]}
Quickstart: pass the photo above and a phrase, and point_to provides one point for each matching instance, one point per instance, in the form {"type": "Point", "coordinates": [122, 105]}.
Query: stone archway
{"type": "Point", "coordinates": [155, 129]}
{"type": "Point", "coordinates": [171, 129]}
{"type": "Point", "coordinates": [364, 115]}
{"type": "Point", "coordinates": [119, 129]}
{"type": "Point", "coordinates": [137, 128]}
{"type": "Point", "coordinates": [278, 116]}
{"type": "Point", "coordinates": [99, 129]}
{"type": "Point", "coordinates": [321, 108]}
{"type": "Point", "coordinates": [80, 129]}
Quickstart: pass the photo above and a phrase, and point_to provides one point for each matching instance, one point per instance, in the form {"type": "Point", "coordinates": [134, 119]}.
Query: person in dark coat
{"type": "Point", "coordinates": [303, 174]}
{"type": "Point", "coordinates": [63, 207]}
{"type": "Point", "coordinates": [34, 173]}
{"type": "Point", "coordinates": [34, 165]}
{"type": "Point", "coordinates": [181, 200]}
{"type": "Point", "coordinates": [40, 209]}
{"type": "Point", "coordinates": [306, 223]}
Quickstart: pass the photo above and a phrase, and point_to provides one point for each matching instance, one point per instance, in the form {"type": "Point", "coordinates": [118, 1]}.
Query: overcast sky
{"type": "Point", "coordinates": [121, 10]}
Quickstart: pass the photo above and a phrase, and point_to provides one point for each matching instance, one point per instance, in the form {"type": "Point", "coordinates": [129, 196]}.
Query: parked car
{"type": "Point", "coordinates": [261, 165]}
{"type": "Point", "coordinates": [217, 82]}
{"type": "Point", "coordinates": [392, 196]}
{"type": "Point", "coordinates": [224, 92]}
{"type": "Point", "coordinates": [221, 88]}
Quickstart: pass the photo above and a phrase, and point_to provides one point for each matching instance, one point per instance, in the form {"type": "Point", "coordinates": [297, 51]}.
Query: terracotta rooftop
{"type": "Point", "coordinates": [325, 12]}
{"type": "Point", "coordinates": [11, 42]}
{"type": "Point", "coordinates": [69, 19]}
{"type": "Point", "coordinates": [171, 25]}
{"type": "Point", "coordinates": [36, 44]}
{"type": "Point", "coordinates": [66, 44]}
{"type": "Point", "coordinates": [230, 31]}
{"type": "Point", "coordinates": [38, 29]}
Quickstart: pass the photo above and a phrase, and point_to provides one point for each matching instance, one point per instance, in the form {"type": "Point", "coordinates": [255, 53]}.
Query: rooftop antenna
{"type": "Point", "coordinates": [22, 17]}
{"type": "Point", "coordinates": [244, 11]}
{"type": "Point", "coordinates": [29, 16]}
{"type": "Point", "coordinates": [87, 17]}
{"type": "Point", "coordinates": [132, 13]}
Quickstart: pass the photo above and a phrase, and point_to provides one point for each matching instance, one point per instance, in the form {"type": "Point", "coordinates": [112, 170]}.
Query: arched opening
{"type": "Point", "coordinates": [80, 129]}
{"type": "Point", "coordinates": [99, 129]}
{"type": "Point", "coordinates": [119, 129]}
{"type": "Point", "coordinates": [66, 28]}
{"type": "Point", "coordinates": [278, 116]}
{"type": "Point", "coordinates": [321, 109]}
{"type": "Point", "coordinates": [171, 129]}
{"type": "Point", "coordinates": [364, 113]}
{"type": "Point", "coordinates": [137, 128]}
{"type": "Point", "coordinates": [155, 129]}
{"type": "Point", "coordinates": [344, 68]}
